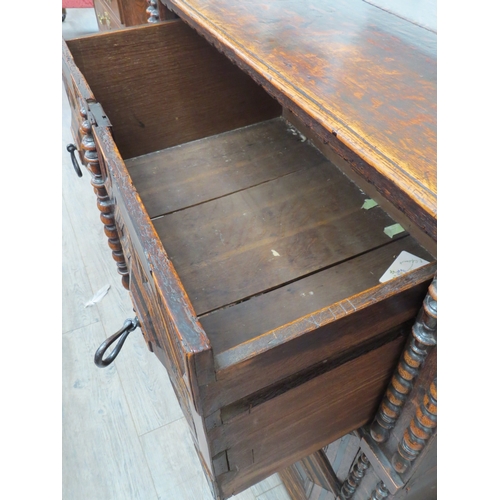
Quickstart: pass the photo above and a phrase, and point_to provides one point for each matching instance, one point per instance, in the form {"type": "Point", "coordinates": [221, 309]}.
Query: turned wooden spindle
{"type": "Point", "coordinates": [152, 11]}
{"type": "Point", "coordinates": [418, 432]}
{"type": "Point", "coordinates": [357, 473]}
{"type": "Point", "coordinates": [422, 339]}
{"type": "Point", "coordinates": [104, 203]}
{"type": "Point", "coordinates": [380, 492]}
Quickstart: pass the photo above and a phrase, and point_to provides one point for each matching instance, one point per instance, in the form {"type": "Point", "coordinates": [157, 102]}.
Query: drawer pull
{"type": "Point", "coordinates": [71, 148]}
{"type": "Point", "coordinates": [104, 19]}
{"type": "Point", "coordinates": [121, 335]}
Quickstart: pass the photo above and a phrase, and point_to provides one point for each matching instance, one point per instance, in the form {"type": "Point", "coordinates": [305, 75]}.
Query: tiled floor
{"type": "Point", "coordinates": [124, 435]}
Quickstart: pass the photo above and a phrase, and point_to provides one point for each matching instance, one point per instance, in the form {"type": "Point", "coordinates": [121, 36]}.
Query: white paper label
{"type": "Point", "coordinates": [404, 263]}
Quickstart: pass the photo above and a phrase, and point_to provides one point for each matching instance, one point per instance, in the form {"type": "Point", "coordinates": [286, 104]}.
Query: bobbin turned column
{"type": "Point", "coordinates": [355, 476]}
{"type": "Point", "coordinates": [418, 432]}
{"type": "Point", "coordinates": [152, 11]}
{"type": "Point", "coordinates": [104, 203]}
{"type": "Point", "coordinates": [380, 492]}
{"type": "Point", "coordinates": [422, 339]}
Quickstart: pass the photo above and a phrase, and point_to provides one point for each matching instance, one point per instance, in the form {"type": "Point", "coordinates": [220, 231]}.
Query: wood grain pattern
{"type": "Point", "coordinates": [163, 85]}
{"type": "Point", "coordinates": [284, 305]}
{"type": "Point", "coordinates": [380, 68]}
{"type": "Point", "coordinates": [313, 425]}
{"type": "Point", "coordinates": [225, 250]}
{"type": "Point", "coordinates": [203, 170]}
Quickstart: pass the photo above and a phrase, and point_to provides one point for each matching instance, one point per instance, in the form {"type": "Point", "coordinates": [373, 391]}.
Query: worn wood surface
{"type": "Point", "coordinates": [162, 85]}
{"type": "Point", "coordinates": [364, 78]}
{"type": "Point", "coordinates": [133, 12]}
{"type": "Point", "coordinates": [269, 311]}
{"type": "Point", "coordinates": [253, 240]}
{"type": "Point", "coordinates": [196, 172]}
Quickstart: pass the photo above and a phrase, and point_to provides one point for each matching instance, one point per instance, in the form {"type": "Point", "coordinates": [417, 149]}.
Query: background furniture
{"type": "Point", "coordinates": [117, 14]}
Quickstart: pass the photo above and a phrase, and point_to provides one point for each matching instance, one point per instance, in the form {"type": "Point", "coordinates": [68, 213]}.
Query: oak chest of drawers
{"type": "Point", "coordinates": [252, 261]}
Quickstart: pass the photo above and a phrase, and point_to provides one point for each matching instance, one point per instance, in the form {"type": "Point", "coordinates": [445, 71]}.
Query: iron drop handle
{"type": "Point", "coordinates": [71, 148]}
{"type": "Point", "coordinates": [121, 335]}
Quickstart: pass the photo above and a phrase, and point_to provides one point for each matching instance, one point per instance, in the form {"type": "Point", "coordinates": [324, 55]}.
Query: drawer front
{"type": "Point", "coordinates": [111, 6]}
{"type": "Point", "coordinates": [107, 18]}
{"type": "Point", "coordinates": [283, 429]}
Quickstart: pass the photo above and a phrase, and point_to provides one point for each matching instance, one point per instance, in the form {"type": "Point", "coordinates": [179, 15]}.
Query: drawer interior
{"type": "Point", "coordinates": [262, 229]}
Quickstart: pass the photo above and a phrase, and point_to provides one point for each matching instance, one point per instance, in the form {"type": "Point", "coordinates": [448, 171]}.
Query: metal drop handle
{"type": "Point", "coordinates": [121, 335]}
{"type": "Point", "coordinates": [71, 148]}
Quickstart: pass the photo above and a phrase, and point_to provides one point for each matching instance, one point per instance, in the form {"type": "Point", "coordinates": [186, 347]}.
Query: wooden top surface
{"type": "Point", "coordinates": [361, 72]}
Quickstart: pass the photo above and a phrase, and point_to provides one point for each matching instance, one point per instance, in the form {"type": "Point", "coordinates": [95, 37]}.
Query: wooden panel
{"type": "Point", "coordinates": [133, 12]}
{"type": "Point", "coordinates": [288, 355]}
{"type": "Point", "coordinates": [199, 171]}
{"type": "Point", "coordinates": [145, 238]}
{"type": "Point", "coordinates": [363, 78]}
{"type": "Point", "coordinates": [315, 413]}
{"type": "Point", "coordinates": [225, 250]}
{"type": "Point", "coordinates": [114, 7]}
{"type": "Point", "coordinates": [163, 85]}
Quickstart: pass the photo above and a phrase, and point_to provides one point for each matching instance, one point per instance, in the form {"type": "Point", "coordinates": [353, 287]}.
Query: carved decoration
{"type": "Point", "coordinates": [418, 432]}
{"type": "Point", "coordinates": [355, 476]}
{"type": "Point", "coordinates": [380, 492]}
{"type": "Point", "coordinates": [104, 204]}
{"type": "Point", "coordinates": [152, 11]}
{"type": "Point", "coordinates": [422, 339]}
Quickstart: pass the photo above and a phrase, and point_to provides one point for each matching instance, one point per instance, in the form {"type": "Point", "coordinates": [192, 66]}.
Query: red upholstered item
{"type": "Point", "coordinates": [77, 4]}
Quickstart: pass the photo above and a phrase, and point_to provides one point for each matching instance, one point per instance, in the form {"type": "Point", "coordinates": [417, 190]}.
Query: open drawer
{"type": "Point", "coordinates": [252, 265]}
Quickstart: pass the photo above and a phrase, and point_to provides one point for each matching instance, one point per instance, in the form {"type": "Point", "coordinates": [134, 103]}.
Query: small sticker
{"type": "Point", "coordinates": [369, 204]}
{"type": "Point", "coordinates": [404, 263]}
{"type": "Point", "coordinates": [393, 230]}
